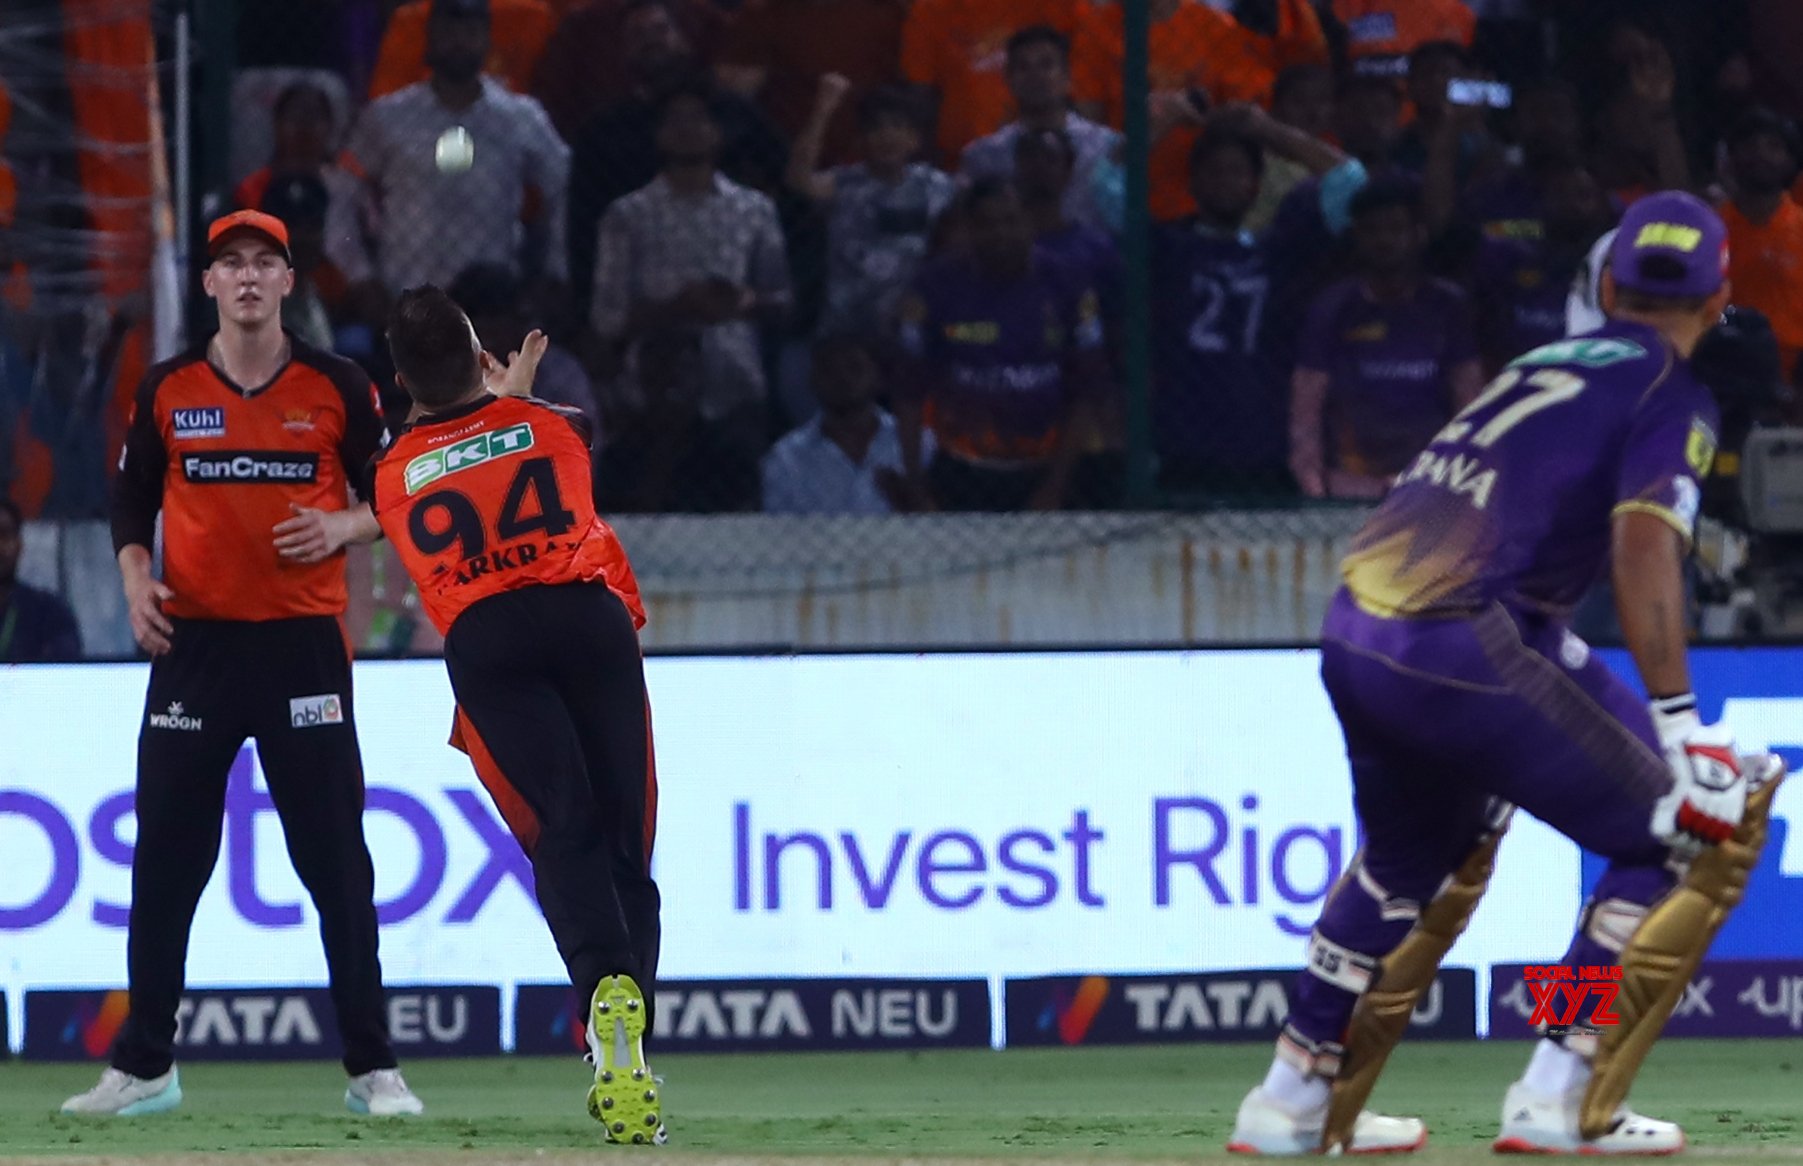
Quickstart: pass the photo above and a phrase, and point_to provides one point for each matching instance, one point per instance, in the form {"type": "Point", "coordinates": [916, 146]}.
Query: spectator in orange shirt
{"type": "Point", "coordinates": [519, 30]}
{"type": "Point", "coordinates": [777, 51]}
{"type": "Point", "coordinates": [957, 49]}
{"type": "Point", "coordinates": [1765, 227]}
{"type": "Point", "coordinates": [1192, 47]}
{"type": "Point", "coordinates": [1380, 34]}
{"type": "Point", "coordinates": [587, 68]}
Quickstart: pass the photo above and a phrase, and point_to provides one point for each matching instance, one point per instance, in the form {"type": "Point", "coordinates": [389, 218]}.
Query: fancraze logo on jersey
{"type": "Point", "coordinates": [427, 468]}
{"type": "Point", "coordinates": [250, 465]}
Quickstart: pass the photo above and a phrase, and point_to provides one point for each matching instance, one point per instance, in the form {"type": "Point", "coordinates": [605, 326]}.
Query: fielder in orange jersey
{"type": "Point", "coordinates": [486, 497]}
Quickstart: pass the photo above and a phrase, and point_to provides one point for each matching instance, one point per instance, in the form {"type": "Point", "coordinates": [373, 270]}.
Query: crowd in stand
{"type": "Point", "coordinates": [862, 256]}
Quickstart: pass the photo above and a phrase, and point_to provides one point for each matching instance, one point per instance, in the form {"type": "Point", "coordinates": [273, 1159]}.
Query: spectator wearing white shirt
{"type": "Point", "coordinates": [694, 254]}
{"type": "Point", "coordinates": [848, 459]}
{"type": "Point", "coordinates": [1039, 77]}
{"type": "Point", "coordinates": [448, 165]}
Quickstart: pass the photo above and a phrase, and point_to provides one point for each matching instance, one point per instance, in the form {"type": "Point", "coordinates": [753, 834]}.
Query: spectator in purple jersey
{"type": "Point", "coordinates": [1003, 356]}
{"type": "Point", "coordinates": [1044, 161]}
{"type": "Point", "coordinates": [1219, 403]}
{"type": "Point", "coordinates": [1520, 284]}
{"type": "Point", "coordinates": [1387, 356]}
{"type": "Point", "coordinates": [1548, 126]}
{"type": "Point", "coordinates": [1305, 234]}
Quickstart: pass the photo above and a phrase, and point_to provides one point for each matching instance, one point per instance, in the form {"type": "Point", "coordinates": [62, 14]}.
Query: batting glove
{"type": "Point", "coordinates": [1710, 794]}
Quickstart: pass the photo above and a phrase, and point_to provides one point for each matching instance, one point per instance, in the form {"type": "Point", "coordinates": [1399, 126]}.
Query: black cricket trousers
{"type": "Point", "coordinates": [287, 683]}
{"type": "Point", "coordinates": [553, 712]}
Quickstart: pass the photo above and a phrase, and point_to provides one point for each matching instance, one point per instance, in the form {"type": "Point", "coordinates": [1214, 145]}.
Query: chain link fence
{"type": "Point", "coordinates": [836, 261]}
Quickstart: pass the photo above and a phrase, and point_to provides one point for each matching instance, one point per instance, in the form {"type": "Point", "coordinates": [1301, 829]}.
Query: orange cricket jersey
{"type": "Point", "coordinates": [223, 464]}
{"type": "Point", "coordinates": [1396, 28]}
{"type": "Point", "coordinates": [495, 496]}
{"type": "Point", "coordinates": [1765, 267]}
{"type": "Point", "coordinates": [960, 48]}
{"type": "Point", "coordinates": [1198, 47]}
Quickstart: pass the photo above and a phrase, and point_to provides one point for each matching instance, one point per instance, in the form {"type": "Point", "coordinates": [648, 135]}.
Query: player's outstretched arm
{"type": "Point", "coordinates": [514, 379]}
{"type": "Point", "coordinates": [1709, 792]}
{"type": "Point", "coordinates": [314, 535]}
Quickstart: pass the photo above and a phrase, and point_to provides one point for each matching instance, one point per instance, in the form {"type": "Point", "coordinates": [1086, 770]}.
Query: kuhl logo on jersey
{"type": "Point", "coordinates": [428, 467]}
{"type": "Point", "coordinates": [208, 422]}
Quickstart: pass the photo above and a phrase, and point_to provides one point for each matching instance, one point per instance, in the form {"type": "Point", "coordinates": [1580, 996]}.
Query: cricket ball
{"type": "Point", "coordinates": [455, 151]}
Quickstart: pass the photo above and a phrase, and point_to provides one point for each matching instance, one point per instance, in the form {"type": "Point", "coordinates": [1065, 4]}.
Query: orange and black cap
{"type": "Point", "coordinates": [240, 223]}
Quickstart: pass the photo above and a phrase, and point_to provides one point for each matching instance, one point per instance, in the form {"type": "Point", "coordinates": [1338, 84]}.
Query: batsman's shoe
{"type": "Point", "coordinates": [1265, 1127]}
{"type": "Point", "coordinates": [382, 1093]}
{"type": "Point", "coordinates": [1538, 1123]}
{"type": "Point", "coordinates": [625, 1098]}
{"type": "Point", "coordinates": [120, 1094]}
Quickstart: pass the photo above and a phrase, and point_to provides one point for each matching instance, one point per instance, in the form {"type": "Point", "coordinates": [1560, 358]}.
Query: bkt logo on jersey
{"type": "Point", "coordinates": [307, 712]}
{"type": "Point", "coordinates": [428, 467]}
{"type": "Point", "coordinates": [199, 423]}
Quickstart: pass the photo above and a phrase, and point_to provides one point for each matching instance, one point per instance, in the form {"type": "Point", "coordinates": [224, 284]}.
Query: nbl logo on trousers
{"type": "Point", "coordinates": [309, 712]}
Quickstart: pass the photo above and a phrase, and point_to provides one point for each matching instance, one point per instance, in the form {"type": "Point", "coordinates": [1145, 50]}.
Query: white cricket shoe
{"type": "Point", "coordinates": [1266, 1127]}
{"type": "Point", "coordinates": [382, 1093]}
{"type": "Point", "coordinates": [120, 1094]}
{"type": "Point", "coordinates": [1539, 1123]}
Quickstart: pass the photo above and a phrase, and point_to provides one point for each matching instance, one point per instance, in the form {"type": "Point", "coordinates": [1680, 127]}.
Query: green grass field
{"type": "Point", "coordinates": [1741, 1101]}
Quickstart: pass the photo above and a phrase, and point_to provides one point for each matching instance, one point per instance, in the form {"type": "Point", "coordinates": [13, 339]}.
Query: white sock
{"type": "Point", "coordinates": [1554, 1069]}
{"type": "Point", "coordinates": [1293, 1089]}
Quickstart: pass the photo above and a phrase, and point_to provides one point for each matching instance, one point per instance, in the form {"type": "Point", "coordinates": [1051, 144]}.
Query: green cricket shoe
{"type": "Point", "coordinates": [625, 1097]}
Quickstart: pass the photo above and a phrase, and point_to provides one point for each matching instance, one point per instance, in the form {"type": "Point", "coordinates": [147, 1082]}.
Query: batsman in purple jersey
{"type": "Point", "coordinates": [1462, 693]}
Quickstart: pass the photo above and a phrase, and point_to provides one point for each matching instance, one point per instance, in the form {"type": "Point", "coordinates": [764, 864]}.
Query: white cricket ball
{"type": "Point", "coordinates": [455, 151]}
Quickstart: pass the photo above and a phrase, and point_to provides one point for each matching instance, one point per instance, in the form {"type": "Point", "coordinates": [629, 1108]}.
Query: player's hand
{"type": "Point", "coordinates": [514, 379]}
{"type": "Point", "coordinates": [311, 535]}
{"type": "Point", "coordinates": [144, 599]}
{"type": "Point", "coordinates": [1709, 794]}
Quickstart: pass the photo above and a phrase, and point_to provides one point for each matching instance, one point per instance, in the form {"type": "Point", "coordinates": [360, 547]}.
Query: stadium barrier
{"type": "Point", "coordinates": [266, 1024]}
{"type": "Point", "coordinates": [766, 1016]}
{"type": "Point", "coordinates": [987, 816]}
{"type": "Point", "coordinates": [1219, 1006]}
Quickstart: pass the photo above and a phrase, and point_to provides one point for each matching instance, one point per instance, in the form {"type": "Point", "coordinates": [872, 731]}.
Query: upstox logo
{"type": "Point", "coordinates": [428, 467]}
